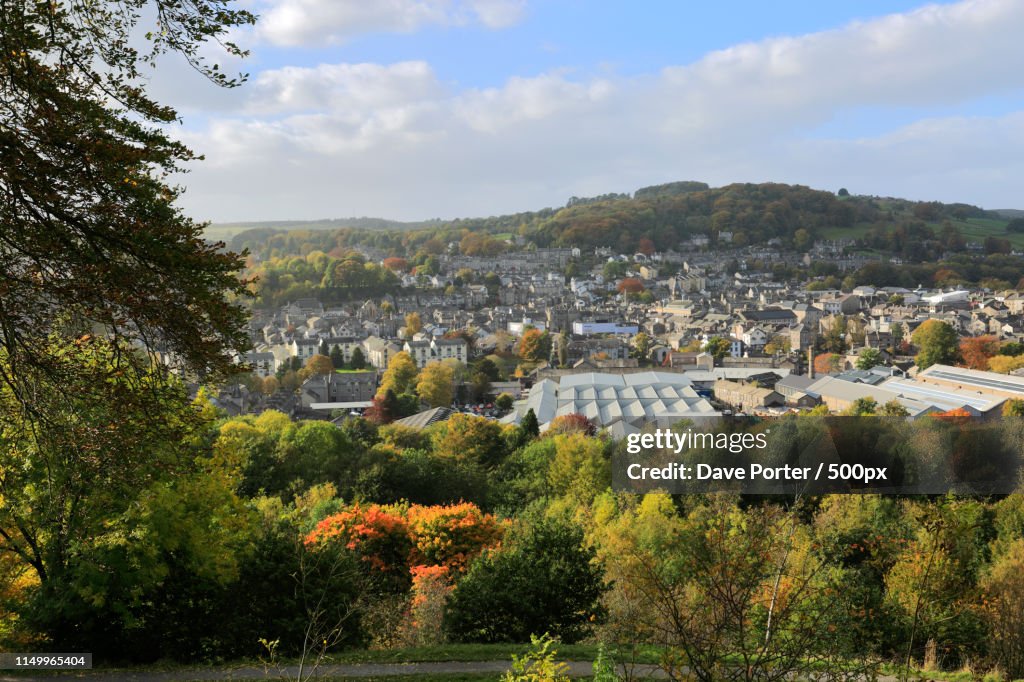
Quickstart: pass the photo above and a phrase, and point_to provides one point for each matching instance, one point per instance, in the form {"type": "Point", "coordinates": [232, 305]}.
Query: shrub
{"type": "Point", "coordinates": [544, 581]}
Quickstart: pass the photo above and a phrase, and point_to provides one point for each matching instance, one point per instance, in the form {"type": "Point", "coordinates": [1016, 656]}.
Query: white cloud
{"type": "Point", "coordinates": [392, 140]}
{"type": "Point", "coordinates": [309, 22]}
{"type": "Point", "coordinates": [528, 99]}
{"type": "Point", "coordinates": [358, 88]}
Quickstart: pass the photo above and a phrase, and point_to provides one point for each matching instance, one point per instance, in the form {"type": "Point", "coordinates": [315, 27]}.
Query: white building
{"type": "Point", "coordinates": [607, 399]}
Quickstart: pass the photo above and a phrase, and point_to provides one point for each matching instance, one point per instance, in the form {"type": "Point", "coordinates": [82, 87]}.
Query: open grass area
{"type": "Point", "coordinates": [973, 230]}
{"type": "Point", "coordinates": [976, 229]}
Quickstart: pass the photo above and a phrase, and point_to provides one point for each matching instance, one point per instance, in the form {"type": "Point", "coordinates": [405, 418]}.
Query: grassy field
{"type": "Point", "coordinates": [976, 229]}
{"type": "Point", "coordinates": [973, 230]}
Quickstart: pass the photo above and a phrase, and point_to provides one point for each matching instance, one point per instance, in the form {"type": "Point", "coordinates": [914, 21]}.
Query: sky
{"type": "Point", "coordinates": [420, 109]}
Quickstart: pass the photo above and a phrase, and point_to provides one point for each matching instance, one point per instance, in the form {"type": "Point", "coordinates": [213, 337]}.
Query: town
{"type": "Point", "coordinates": [649, 337]}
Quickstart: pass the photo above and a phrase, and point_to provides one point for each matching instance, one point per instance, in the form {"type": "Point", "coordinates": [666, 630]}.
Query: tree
{"type": "Point", "coordinates": [504, 402]}
{"type": "Point", "coordinates": [897, 335]}
{"type": "Point", "coordinates": [614, 269]}
{"type": "Point", "coordinates": [377, 534]}
{"type": "Point", "coordinates": [572, 423]}
{"type": "Point", "coordinates": [270, 385]}
{"type": "Point", "coordinates": [337, 357]}
{"type": "Point", "coordinates": [318, 364]}
{"type": "Point", "coordinates": [451, 535]}
{"type": "Point", "coordinates": [413, 324]}
{"type": "Point", "coordinates": [384, 408]}
{"type": "Point", "coordinates": [779, 343]}
{"type": "Point", "coordinates": [435, 385]}
{"type": "Point", "coordinates": [1003, 608]}
{"type": "Point", "coordinates": [718, 347]}
{"type": "Point", "coordinates": [733, 593]}
{"type": "Point", "coordinates": [893, 408]}
{"type": "Point", "coordinates": [479, 386]}
{"type": "Point", "coordinates": [396, 264]}
{"type": "Point", "coordinates": [400, 376]}
{"type": "Point", "coordinates": [862, 407]}
{"type": "Point", "coordinates": [976, 351]}
{"type": "Point", "coordinates": [827, 363]}
{"type": "Point", "coordinates": [936, 342]}
{"type": "Point", "coordinates": [487, 367]}
{"type": "Point", "coordinates": [543, 580]}
{"type": "Point", "coordinates": [1004, 364]}
{"type": "Point", "coordinates": [641, 346]}
{"type": "Point", "coordinates": [868, 358]}
{"type": "Point", "coordinates": [1012, 348]}
{"type": "Point", "coordinates": [358, 360]}
{"type": "Point", "coordinates": [91, 227]}
{"type": "Point", "coordinates": [471, 438]}
{"type": "Point", "coordinates": [630, 285]}
{"type": "Point", "coordinates": [528, 424]}
{"type": "Point", "coordinates": [562, 350]}
{"type": "Point", "coordinates": [843, 192]}
{"type": "Point", "coordinates": [534, 345]}
{"type": "Point", "coordinates": [1013, 408]}
{"type": "Point", "coordinates": [121, 456]}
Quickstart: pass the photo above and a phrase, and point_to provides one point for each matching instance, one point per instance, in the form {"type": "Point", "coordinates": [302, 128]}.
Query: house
{"type": "Point", "coordinates": [338, 387]}
{"type": "Point", "coordinates": [379, 351]}
{"type": "Point", "coordinates": [263, 364]}
{"type": "Point", "coordinates": [748, 397]}
{"type": "Point", "coordinates": [447, 349]}
{"type": "Point", "coordinates": [420, 352]}
{"type": "Point", "coordinates": [424, 352]}
{"type": "Point", "coordinates": [304, 348]}
{"type": "Point", "coordinates": [794, 389]}
{"type": "Point", "coordinates": [845, 304]}
{"type": "Point", "coordinates": [346, 344]}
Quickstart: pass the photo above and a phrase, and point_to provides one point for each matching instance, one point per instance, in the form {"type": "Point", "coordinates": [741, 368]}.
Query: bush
{"type": "Point", "coordinates": [544, 581]}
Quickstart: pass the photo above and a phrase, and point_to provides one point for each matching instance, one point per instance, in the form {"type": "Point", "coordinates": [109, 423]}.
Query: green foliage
{"type": "Point", "coordinates": [529, 425]}
{"type": "Point", "coordinates": [718, 347]}
{"type": "Point", "coordinates": [400, 376]}
{"type": "Point", "coordinates": [114, 492]}
{"type": "Point", "coordinates": [868, 358]}
{"type": "Point", "coordinates": [283, 279]}
{"type": "Point", "coordinates": [862, 407]}
{"type": "Point", "coordinates": [92, 229]}
{"type": "Point", "coordinates": [937, 343]}
{"type": "Point", "coordinates": [542, 580]}
{"type": "Point", "coordinates": [435, 385]}
{"type": "Point", "coordinates": [471, 439]}
{"type": "Point", "coordinates": [538, 664]}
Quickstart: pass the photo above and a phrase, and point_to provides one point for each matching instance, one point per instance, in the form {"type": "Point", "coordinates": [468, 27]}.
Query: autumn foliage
{"type": "Point", "coordinates": [396, 264]}
{"type": "Point", "coordinates": [571, 423]}
{"type": "Point", "coordinates": [378, 534]}
{"type": "Point", "coordinates": [397, 539]}
{"type": "Point", "coordinates": [630, 285]}
{"type": "Point", "coordinates": [958, 415]}
{"type": "Point", "coordinates": [451, 535]}
{"type": "Point", "coordinates": [827, 363]}
{"type": "Point", "coordinates": [975, 352]}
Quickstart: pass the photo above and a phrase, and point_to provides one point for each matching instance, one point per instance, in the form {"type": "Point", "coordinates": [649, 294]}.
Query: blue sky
{"type": "Point", "coordinates": [442, 108]}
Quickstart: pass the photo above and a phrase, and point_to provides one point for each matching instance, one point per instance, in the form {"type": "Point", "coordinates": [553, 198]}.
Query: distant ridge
{"type": "Point", "coordinates": [663, 216]}
{"type": "Point", "coordinates": [362, 223]}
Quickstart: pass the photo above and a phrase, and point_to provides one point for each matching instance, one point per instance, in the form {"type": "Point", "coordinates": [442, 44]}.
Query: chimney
{"type": "Point", "coordinates": [810, 362]}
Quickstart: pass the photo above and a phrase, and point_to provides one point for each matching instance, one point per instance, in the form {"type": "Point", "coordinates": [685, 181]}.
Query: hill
{"type": "Point", "coordinates": [663, 216]}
